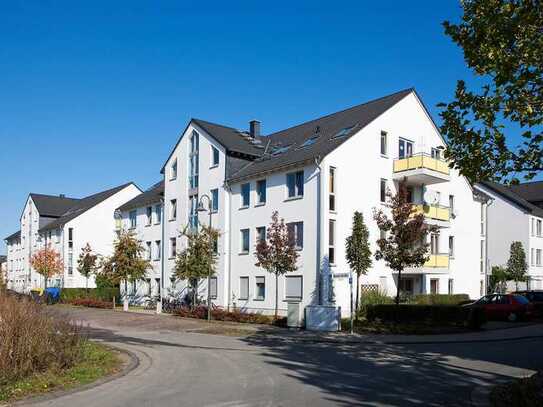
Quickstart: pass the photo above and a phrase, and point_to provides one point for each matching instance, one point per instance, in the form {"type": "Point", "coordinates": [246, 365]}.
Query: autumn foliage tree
{"type": "Point", "coordinates": [199, 259]}
{"type": "Point", "coordinates": [47, 262]}
{"type": "Point", "coordinates": [87, 264]}
{"type": "Point", "coordinates": [127, 262]}
{"type": "Point", "coordinates": [404, 244]}
{"type": "Point", "coordinates": [277, 254]}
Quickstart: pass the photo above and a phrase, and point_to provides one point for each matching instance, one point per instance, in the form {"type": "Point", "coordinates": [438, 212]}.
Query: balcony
{"type": "Point", "coordinates": [436, 213]}
{"type": "Point", "coordinates": [436, 264]}
{"type": "Point", "coordinates": [420, 169]}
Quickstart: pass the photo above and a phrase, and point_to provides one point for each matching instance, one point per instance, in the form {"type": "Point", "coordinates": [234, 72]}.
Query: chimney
{"type": "Point", "coordinates": [254, 128]}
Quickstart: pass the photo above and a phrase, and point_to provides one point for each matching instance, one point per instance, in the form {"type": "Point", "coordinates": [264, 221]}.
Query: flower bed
{"type": "Point", "coordinates": [219, 314]}
{"type": "Point", "coordinates": [91, 303]}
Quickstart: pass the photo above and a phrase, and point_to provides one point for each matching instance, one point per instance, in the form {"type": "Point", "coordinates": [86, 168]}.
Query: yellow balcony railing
{"type": "Point", "coordinates": [433, 212]}
{"type": "Point", "coordinates": [437, 260]}
{"type": "Point", "coordinates": [421, 160]}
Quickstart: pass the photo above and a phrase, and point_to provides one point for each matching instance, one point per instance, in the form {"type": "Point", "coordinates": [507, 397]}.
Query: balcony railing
{"type": "Point", "coordinates": [438, 260]}
{"type": "Point", "coordinates": [433, 211]}
{"type": "Point", "coordinates": [421, 160]}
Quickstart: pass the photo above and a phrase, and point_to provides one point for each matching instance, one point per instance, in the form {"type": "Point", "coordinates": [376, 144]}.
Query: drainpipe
{"type": "Point", "coordinates": [161, 285]}
{"type": "Point", "coordinates": [489, 202]}
{"type": "Point", "coordinates": [319, 276]}
{"type": "Point", "coordinates": [229, 285]}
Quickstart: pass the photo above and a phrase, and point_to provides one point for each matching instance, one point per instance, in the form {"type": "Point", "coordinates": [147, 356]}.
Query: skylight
{"type": "Point", "coordinates": [343, 132]}
{"type": "Point", "coordinates": [309, 141]}
{"type": "Point", "coordinates": [279, 150]}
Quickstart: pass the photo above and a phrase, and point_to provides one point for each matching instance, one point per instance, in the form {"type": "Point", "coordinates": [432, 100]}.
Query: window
{"type": "Point", "coordinates": [533, 227]}
{"type": "Point", "coordinates": [158, 214]}
{"type": "Point", "coordinates": [410, 192]}
{"type": "Point", "coordinates": [260, 288]}
{"type": "Point", "coordinates": [436, 153]}
{"type": "Point", "coordinates": [216, 245]}
{"type": "Point", "coordinates": [538, 228]}
{"type": "Point", "coordinates": [173, 247]}
{"type": "Point", "coordinates": [260, 234]}
{"type": "Point", "coordinates": [331, 241]}
{"type": "Point", "coordinates": [384, 143]}
{"type": "Point", "coordinates": [295, 184]}
{"type": "Point", "coordinates": [538, 257]}
{"type": "Point", "coordinates": [451, 286]}
{"type": "Point", "coordinates": [434, 243]}
{"type": "Point", "coordinates": [244, 240]}
{"type": "Point", "coordinates": [173, 171]}
{"type": "Point", "coordinates": [214, 156]}
{"type": "Point", "coordinates": [149, 250]}
{"type": "Point", "coordinates": [158, 250]}
{"type": "Point", "coordinates": [215, 200]}
{"type": "Point", "coordinates": [293, 288]}
{"type": "Point", "coordinates": [261, 191]}
{"type": "Point", "coordinates": [482, 220]}
{"type": "Point", "coordinates": [343, 132]}
{"type": "Point", "coordinates": [244, 288]}
{"type": "Point", "coordinates": [193, 212]}
{"type": "Point", "coordinates": [451, 204]}
{"type": "Point", "coordinates": [532, 257]}
{"type": "Point", "coordinates": [309, 141]}
{"type": "Point", "coordinates": [296, 234]}
{"type": "Point", "coordinates": [70, 263]}
{"type": "Point", "coordinates": [245, 195]}
{"type": "Point", "coordinates": [332, 190]}
{"type": "Point", "coordinates": [406, 285]}
{"type": "Point", "coordinates": [213, 287]}
{"type": "Point", "coordinates": [193, 160]}
{"type": "Point", "coordinates": [383, 191]}
{"type": "Point", "coordinates": [482, 249]}
{"type": "Point", "coordinates": [405, 148]}
{"type": "Point", "coordinates": [149, 213]}
{"type": "Point", "coordinates": [434, 286]}
{"type": "Point", "coordinates": [451, 246]}
{"type": "Point", "coordinates": [57, 234]}
{"type": "Point", "coordinates": [70, 251]}
{"type": "Point", "coordinates": [173, 209]}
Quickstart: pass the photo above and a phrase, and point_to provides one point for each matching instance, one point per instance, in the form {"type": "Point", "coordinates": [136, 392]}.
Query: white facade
{"type": "Point", "coordinates": [359, 168]}
{"type": "Point", "coordinates": [510, 221]}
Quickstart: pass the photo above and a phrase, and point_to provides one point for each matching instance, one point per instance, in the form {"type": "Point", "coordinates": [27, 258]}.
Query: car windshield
{"type": "Point", "coordinates": [520, 299]}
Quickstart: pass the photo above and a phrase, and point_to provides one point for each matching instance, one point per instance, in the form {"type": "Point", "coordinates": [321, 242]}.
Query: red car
{"type": "Point", "coordinates": [511, 307]}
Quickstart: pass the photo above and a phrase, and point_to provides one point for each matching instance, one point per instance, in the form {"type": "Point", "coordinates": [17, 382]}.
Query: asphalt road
{"type": "Point", "coordinates": [178, 367]}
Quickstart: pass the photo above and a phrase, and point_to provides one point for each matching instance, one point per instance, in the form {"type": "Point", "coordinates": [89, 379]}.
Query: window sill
{"type": "Point", "coordinates": [171, 258]}
{"type": "Point", "coordinates": [384, 156]}
{"type": "Point", "coordinates": [215, 211]}
{"type": "Point", "coordinates": [173, 179]}
{"type": "Point", "coordinates": [294, 198]}
{"type": "Point", "coordinates": [156, 259]}
{"type": "Point", "coordinates": [243, 299]}
{"type": "Point", "coordinates": [243, 207]}
{"type": "Point", "coordinates": [260, 204]}
{"type": "Point", "coordinates": [259, 299]}
{"type": "Point", "coordinates": [292, 299]}
{"type": "Point", "coordinates": [149, 224]}
{"type": "Point", "coordinates": [334, 212]}
{"type": "Point", "coordinates": [243, 253]}
{"type": "Point", "coordinates": [214, 166]}
{"type": "Point", "coordinates": [172, 220]}
{"type": "Point", "coordinates": [156, 223]}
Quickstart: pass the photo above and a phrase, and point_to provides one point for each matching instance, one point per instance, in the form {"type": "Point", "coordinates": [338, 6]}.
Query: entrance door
{"type": "Point", "coordinates": [406, 285]}
{"type": "Point", "coordinates": [434, 286]}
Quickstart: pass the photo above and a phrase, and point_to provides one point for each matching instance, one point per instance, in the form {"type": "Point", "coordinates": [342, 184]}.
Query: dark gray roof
{"type": "Point", "coordinates": [531, 191]}
{"type": "Point", "coordinates": [83, 205]}
{"type": "Point", "coordinates": [151, 196]}
{"type": "Point", "coordinates": [52, 206]}
{"type": "Point", "coordinates": [323, 130]}
{"type": "Point", "coordinates": [508, 193]}
{"type": "Point", "coordinates": [13, 235]}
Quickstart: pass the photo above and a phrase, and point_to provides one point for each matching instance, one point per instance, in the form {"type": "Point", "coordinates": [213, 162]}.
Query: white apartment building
{"type": "Point", "coordinates": [316, 175]}
{"type": "Point", "coordinates": [67, 224]}
{"type": "Point", "coordinates": [515, 213]}
{"type": "Point", "coordinates": [143, 216]}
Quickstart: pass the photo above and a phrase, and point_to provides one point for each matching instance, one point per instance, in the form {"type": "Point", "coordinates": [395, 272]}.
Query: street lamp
{"type": "Point", "coordinates": [201, 208]}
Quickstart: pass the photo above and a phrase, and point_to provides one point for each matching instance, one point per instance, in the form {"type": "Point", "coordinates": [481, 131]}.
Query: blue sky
{"type": "Point", "coordinates": [94, 94]}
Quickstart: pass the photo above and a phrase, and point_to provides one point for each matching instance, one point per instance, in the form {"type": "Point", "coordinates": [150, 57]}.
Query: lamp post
{"type": "Point", "coordinates": [209, 209]}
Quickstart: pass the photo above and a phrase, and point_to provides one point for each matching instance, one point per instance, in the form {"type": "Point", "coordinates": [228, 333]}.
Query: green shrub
{"type": "Point", "coordinates": [427, 314]}
{"type": "Point", "coordinates": [439, 299]}
{"type": "Point", "coordinates": [372, 298]}
{"type": "Point", "coordinates": [91, 303]}
{"type": "Point", "coordinates": [102, 294]}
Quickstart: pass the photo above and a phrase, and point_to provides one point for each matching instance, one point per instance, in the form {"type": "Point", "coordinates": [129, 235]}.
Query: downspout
{"type": "Point", "coordinates": [162, 244]}
{"type": "Point", "coordinates": [319, 276]}
{"type": "Point", "coordinates": [489, 202]}
{"type": "Point", "coordinates": [229, 285]}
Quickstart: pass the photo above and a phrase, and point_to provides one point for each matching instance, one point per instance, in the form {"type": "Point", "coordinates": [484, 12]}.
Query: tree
{"type": "Point", "coordinates": [516, 265]}
{"type": "Point", "coordinates": [199, 259]}
{"type": "Point", "coordinates": [358, 253]}
{"type": "Point", "coordinates": [86, 264]}
{"type": "Point", "coordinates": [276, 253]}
{"type": "Point", "coordinates": [47, 262]}
{"type": "Point", "coordinates": [405, 242]}
{"type": "Point", "coordinates": [502, 42]}
{"type": "Point", "coordinates": [497, 279]}
{"type": "Point", "coordinates": [127, 262]}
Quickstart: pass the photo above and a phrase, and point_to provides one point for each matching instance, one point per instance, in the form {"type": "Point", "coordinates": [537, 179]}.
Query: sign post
{"type": "Point", "coordinates": [351, 286]}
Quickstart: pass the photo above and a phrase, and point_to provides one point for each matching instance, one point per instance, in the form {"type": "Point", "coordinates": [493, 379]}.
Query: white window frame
{"type": "Point", "coordinates": [133, 219]}
{"type": "Point", "coordinates": [298, 178]}
{"type": "Point", "coordinates": [173, 170]}
{"type": "Point", "coordinates": [245, 187]}
{"type": "Point", "coordinates": [262, 280]}
{"type": "Point", "coordinates": [261, 195]}
{"type": "Point", "coordinates": [242, 241]}
{"type": "Point", "coordinates": [332, 242]}
{"type": "Point", "coordinates": [213, 288]}
{"type": "Point", "coordinates": [332, 187]}
{"type": "Point", "coordinates": [214, 200]}
{"type": "Point", "coordinates": [173, 247]}
{"type": "Point", "coordinates": [214, 163]}
{"type": "Point", "coordinates": [244, 280]}
{"type": "Point", "coordinates": [149, 215]}
{"type": "Point", "coordinates": [294, 297]}
{"type": "Point", "coordinates": [384, 136]}
{"type": "Point", "coordinates": [294, 228]}
{"type": "Point", "coordinates": [173, 209]}
{"type": "Point", "coordinates": [383, 190]}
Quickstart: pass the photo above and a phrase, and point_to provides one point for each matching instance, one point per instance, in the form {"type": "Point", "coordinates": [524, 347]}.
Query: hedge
{"type": "Point", "coordinates": [440, 299]}
{"type": "Point", "coordinates": [219, 314]}
{"type": "Point", "coordinates": [102, 294]}
{"type": "Point", "coordinates": [91, 303]}
{"type": "Point", "coordinates": [428, 314]}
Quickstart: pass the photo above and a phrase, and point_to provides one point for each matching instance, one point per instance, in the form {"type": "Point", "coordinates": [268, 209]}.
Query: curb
{"type": "Point", "coordinates": [133, 363]}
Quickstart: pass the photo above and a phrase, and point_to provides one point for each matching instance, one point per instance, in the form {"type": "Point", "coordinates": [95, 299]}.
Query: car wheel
{"type": "Point", "coordinates": [512, 317]}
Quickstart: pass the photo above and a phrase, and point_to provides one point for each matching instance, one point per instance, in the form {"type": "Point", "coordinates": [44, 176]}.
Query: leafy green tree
{"type": "Point", "coordinates": [277, 254]}
{"type": "Point", "coordinates": [497, 279]}
{"type": "Point", "coordinates": [405, 242]}
{"type": "Point", "coordinates": [502, 41]}
{"type": "Point", "coordinates": [517, 265]}
{"type": "Point", "coordinates": [127, 263]}
{"type": "Point", "coordinates": [358, 253]}
{"type": "Point", "coordinates": [199, 259]}
{"type": "Point", "coordinates": [87, 264]}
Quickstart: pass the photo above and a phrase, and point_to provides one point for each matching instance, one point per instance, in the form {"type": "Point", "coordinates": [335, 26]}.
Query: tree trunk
{"type": "Point", "coordinates": [276, 295]}
{"type": "Point", "coordinates": [357, 291]}
{"type": "Point", "coordinates": [45, 283]}
{"type": "Point", "coordinates": [87, 285]}
{"type": "Point", "coordinates": [398, 287]}
{"type": "Point", "coordinates": [194, 292]}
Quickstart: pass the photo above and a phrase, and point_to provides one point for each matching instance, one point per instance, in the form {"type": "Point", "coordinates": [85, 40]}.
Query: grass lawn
{"type": "Point", "coordinates": [96, 361]}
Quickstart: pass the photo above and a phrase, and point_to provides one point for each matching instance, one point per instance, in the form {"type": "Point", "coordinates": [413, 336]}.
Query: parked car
{"type": "Point", "coordinates": [510, 307]}
{"type": "Point", "coordinates": [535, 297]}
